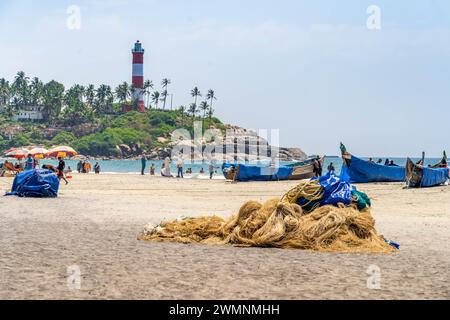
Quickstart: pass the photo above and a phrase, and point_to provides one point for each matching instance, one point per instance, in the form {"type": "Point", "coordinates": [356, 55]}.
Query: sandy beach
{"type": "Point", "coordinates": [96, 219]}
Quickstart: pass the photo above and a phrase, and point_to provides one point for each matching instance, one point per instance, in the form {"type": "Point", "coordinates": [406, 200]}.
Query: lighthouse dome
{"type": "Point", "coordinates": [138, 47]}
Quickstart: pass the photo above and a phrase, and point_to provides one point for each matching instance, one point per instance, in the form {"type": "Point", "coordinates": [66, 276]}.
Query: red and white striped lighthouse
{"type": "Point", "coordinates": [138, 75]}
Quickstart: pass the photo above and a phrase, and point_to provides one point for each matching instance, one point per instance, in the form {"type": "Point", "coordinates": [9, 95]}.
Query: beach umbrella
{"type": "Point", "coordinates": [10, 150]}
{"type": "Point", "coordinates": [18, 153]}
{"type": "Point", "coordinates": [61, 152]}
{"type": "Point", "coordinates": [38, 152]}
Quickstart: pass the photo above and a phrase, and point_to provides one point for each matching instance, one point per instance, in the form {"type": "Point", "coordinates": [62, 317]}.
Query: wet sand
{"type": "Point", "coordinates": [94, 223]}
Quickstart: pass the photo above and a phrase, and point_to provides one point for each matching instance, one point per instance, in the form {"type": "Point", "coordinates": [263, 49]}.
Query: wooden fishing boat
{"type": "Point", "coordinates": [418, 176]}
{"type": "Point", "coordinates": [296, 171]}
{"type": "Point", "coordinates": [362, 171]}
{"type": "Point", "coordinates": [441, 164]}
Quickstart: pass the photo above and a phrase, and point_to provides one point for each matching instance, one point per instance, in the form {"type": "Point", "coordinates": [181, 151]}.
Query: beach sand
{"type": "Point", "coordinates": [96, 219]}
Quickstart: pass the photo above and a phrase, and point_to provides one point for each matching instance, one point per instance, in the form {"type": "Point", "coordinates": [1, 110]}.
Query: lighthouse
{"type": "Point", "coordinates": [138, 75]}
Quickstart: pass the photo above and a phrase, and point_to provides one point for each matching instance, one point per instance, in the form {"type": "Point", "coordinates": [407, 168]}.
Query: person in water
{"type": "Point", "coordinates": [60, 168]}
{"type": "Point", "coordinates": [386, 163]}
{"type": "Point", "coordinates": [380, 161]}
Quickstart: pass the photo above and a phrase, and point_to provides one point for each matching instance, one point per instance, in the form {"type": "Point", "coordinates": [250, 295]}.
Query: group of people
{"type": "Point", "coordinates": [85, 167]}
{"type": "Point", "coordinates": [165, 168]}
{"type": "Point", "coordinates": [389, 163]}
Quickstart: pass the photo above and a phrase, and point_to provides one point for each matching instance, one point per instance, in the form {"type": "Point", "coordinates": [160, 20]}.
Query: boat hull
{"type": "Point", "coordinates": [422, 177]}
{"type": "Point", "coordinates": [246, 173]}
{"type": "Point", "coordinates": [361, 171]}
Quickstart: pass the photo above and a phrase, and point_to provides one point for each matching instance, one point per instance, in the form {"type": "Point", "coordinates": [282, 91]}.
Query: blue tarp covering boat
{"type": "Point", "coordinates": [422, 177]}
{"type": "Point", "coordinates": [35, 184]}
{"type": "Point", "coordinates": [246, 173]}
{"type": "Point", "coordinates": [361, 171]}
{"type": "Point", "coordinates": [296, 171]}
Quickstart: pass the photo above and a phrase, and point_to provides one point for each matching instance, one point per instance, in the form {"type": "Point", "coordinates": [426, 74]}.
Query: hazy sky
{"type": "Point", "coordinates": [309, 68]}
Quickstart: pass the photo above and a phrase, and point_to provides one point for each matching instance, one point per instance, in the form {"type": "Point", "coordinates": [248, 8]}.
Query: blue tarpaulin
{"type": "Point", "coordinates": [255, 173]}
{"type": "Point", "coordinates": [35, 184]}
{"type": "Point", "coordinates": [434, 177]}
{"type": "Point", "coordinates": [336, 190]}
{"type": "Point", "coordinates": [361, 171]}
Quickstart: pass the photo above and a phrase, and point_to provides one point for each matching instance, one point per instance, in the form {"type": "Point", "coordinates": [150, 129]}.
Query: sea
{"type": "Point", "coordinates": [134, 166]}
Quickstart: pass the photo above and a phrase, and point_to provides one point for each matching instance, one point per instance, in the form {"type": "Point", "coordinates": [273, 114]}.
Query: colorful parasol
{"type": "Point", "coordinates": [18, 153]}
{"type": "Point", "coordinates": [38, 152]}
{"type": "Point", "coordinates": [61, 152]}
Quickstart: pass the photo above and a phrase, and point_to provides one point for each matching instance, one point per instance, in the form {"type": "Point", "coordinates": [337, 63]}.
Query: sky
{"type": "Point", "coordinates": [312, 69]}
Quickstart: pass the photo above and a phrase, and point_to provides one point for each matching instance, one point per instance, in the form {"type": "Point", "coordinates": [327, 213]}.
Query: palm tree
{"type": "Point", "coordinates": [165, 83]}
{"type": "Point", "coordinates": [36, 87]}
{"type": "Point", "coordinates": [20, 88]}
{"type": "Point", "coordinates": [210, 114]}
{"type": "Point", "coordinates": [204, 106]}
{"type": "Point", "coordinates": [90, 95]}
{"type": "Point", "coordinates": [53, 94]}
{"type": "Point", "coordinates": [155, 98]}
{"type": "Point", "coordinates": [195, 93]}
{"type": "Point", "coordinates": [104, 99]}
{"type": "Point", "coordinates": [164, 98]}
{"type": "Point", "coordinates": [182, 110]}
{"type": "Point", "coordinates": [148, 84]}
{"type": "Point", "coordinates": [193, 110]}
{"type": "Point", "coordinates": [123, 92]}
{"type": "Point", "coordinates": [211, 96]}
{"type": "Point", "coordinates": [5, 92]}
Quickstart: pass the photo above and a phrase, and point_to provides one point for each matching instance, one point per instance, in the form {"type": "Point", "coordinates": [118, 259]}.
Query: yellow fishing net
{"type": "Point", "coordinates": [281, 224]}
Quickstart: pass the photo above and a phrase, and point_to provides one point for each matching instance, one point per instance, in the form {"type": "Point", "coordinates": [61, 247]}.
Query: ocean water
{"type": "Point", "coordinates": [134, 166]}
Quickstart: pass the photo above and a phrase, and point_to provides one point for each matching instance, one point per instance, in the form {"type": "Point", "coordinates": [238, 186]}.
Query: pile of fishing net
{"type": "Point", "coordinates": [321, 215]}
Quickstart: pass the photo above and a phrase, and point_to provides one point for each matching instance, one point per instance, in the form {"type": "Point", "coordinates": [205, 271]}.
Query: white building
{"type": "Point", "coordinates": [30, 113]}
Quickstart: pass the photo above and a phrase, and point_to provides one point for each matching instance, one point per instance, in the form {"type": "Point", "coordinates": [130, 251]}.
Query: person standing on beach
{"type": "Point", "coordinates": [211, 171]}
{"type": "Point", "coordinates": [60, 169]}
{"type": "Point", "coordinates": [29, 163]}
{"type": "Point", "coordinates": [97, 168]}
{"type": "Point", "coordinates": [79, 166]}
{"type": "Point", "coordinates": [331, 168]}
{"type": "Point", "coordinates": [144, 164]}
{"type": "Point", "coordinates": [152, 169]}
{"type": "Point", "coordinates": [180, 166]}
{"type": "Point", "coordinates": [87, 166]}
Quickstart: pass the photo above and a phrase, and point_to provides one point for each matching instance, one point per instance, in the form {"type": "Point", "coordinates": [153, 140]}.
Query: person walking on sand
{"type": "Point", "coordinates": [60, 168]}
{"type": "Point", "coordinates": [180, 166]}
{"type": "Point", "coordinates": [143, 164]}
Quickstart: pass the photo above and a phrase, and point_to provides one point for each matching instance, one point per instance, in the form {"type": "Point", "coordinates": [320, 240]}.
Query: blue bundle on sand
{"type": "Point", "coordinates": [335, 190]}
{"type": "Point", "coordinates": [35, 184]}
